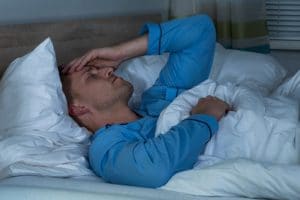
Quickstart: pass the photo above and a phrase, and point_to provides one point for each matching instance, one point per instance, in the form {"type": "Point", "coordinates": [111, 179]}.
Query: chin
{"type": "Point", "coordinates": [126, 91]}
{"type": "Point", "coordinates": [129, 91]}
{"type": "Point", "coordinates": [129, 86]}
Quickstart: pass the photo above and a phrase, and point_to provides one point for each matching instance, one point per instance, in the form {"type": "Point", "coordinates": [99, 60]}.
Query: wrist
{"type": "Point", "coordinates": [210, 120]}
{"type": "Point", "coordinates": [133, 48]}
{"type": "Point", "coordinates": [119, 53]}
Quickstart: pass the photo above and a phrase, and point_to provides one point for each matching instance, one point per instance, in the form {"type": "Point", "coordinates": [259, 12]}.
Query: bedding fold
{"type": "Point", "coordinates": [254, 152]}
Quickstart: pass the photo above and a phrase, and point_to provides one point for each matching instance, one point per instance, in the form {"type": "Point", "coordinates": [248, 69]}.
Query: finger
{"type": "Point", "coordinates": [103, 63]}
{"type": "Point", "coordinates": [76, 65]}
{"type": "Point", "coordinates": [85, 59]}
{"type": "Point", "coordinates": [65, 70]}
{"type": "Point", "coordinates": [110, 63]}
{"type": "Point", "coordinates": [60, 68]}
{"type": "Point", "coordinates": [99, 63]}
{"type": "Point", "coordinates": [231, 108]}
{"type": "Point", "coordinates": [69, 67]}
{"type": "Point", "coordinates": [80, 64]}
{"type": "Point", "coordinates": [211, 97]}
{"type": "Point", "coordinates": [72, 62]}
{"type": "Point", "coordinates": [228, 106]}
{"type": "Point", "coordinates": [202, 99]}
{"type": "Point", "coordinates": [217, 99]}
{"type": "Point", "coordinates": [96, 62]}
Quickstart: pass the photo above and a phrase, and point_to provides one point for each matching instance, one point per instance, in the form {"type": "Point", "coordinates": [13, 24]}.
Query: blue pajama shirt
{"type": "Point", "coordinates": [129, 153]}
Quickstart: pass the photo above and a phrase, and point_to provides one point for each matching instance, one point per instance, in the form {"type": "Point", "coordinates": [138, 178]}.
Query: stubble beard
{"type": "Point", "coordinates": [122, 97]}
{"type": "Point", "coordinates": [126, 93]}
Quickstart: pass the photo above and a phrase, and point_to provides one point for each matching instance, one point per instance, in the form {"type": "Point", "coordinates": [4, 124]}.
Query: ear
{"type": "Point", "coordinates": [77, 110]}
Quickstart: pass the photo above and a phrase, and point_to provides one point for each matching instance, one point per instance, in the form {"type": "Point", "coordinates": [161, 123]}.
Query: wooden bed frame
{"type": "Point", "coordinates": [70, 38]}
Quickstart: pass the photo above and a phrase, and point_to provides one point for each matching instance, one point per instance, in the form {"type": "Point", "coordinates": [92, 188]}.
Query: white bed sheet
{"type": "Point", "coordinates": [90, 188]}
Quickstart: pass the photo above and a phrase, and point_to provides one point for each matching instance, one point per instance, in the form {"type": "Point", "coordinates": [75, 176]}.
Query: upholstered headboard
{"type": "Point", "coordinates": [70, 38]}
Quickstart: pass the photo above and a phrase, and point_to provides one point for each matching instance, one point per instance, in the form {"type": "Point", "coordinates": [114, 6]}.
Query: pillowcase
{"type": "Point", "coordinates": [37, 136]}
{"type": "Point", "coordinates": [257, 71]}
{"type": "Point", "coordinates": [141, 72]}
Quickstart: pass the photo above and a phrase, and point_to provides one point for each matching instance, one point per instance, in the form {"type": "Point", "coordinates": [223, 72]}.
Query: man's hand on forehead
{"type": "Point", "coordinates": [102, 57]}
{"type": "Point", "coordinates": [98, 63]}
{"type": "Point", "coordinates": [109, 56]}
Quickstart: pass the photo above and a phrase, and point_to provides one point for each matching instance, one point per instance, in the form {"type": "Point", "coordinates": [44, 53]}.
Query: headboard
{"type": "Point", "coordinates": [70, 38]}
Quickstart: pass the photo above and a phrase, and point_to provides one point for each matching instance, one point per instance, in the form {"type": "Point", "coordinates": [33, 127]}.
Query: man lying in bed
{"type": "Point", "coordinates": [124, 149]}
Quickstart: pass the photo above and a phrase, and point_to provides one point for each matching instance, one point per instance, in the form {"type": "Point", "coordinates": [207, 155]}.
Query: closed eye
{"type": "Point", "coordinates": [93, 76]}
{"type": "Point", "coordinates": [88, 73]}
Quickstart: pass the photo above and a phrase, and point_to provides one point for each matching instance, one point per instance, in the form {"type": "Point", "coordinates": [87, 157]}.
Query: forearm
{"type": "Point", "coordinates": [133, 48]}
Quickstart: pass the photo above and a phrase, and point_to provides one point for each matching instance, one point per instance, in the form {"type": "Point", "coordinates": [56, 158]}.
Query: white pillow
{"type": "Point", "coordinates": [258, 71]}
{"type": "Point", "coordinates": [141, 72]}
{"type": "Point", "coordinates": [37, 136]}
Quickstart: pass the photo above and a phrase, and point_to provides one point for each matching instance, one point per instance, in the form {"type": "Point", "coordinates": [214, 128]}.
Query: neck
{"type": "Point", "coordinates": [114, 115]}
{"type": "Point", "coordinates": [122, 115]}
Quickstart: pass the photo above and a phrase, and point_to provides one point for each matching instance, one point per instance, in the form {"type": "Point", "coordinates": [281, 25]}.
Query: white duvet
{"type": "Point", "coordinates": [255, 152]}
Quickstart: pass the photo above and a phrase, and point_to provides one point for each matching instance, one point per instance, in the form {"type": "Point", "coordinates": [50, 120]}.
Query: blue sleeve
{"type": "Point", "coordinates": [151, 162]}
{"type": "Point", "coordinates": [190, 42]}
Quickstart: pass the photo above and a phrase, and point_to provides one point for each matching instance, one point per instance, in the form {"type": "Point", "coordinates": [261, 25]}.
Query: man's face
{"type": "Point", "coordinates": [98, 87]}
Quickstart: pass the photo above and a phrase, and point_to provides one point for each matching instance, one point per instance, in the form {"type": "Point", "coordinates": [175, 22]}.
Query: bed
{"type": "Point", "coordinates": [72, 38]}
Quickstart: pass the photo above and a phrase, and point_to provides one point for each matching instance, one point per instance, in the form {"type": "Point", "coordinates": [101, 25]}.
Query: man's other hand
{"type": "Point", "coordinates": [211, 106]}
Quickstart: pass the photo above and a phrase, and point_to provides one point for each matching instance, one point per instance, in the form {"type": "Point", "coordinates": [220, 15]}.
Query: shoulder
{"type": "Point", "coordinates": [103, 141]}
{"type": "Point", "coordinates": [105, 137]}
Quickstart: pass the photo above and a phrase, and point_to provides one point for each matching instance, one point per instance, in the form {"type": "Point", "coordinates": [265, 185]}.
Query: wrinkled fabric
{"type": "Point", "coordinates": [259, 128]}
{"type": "Point", "coordinates": [260, 133]}
{"type": "Point", "coordinates": [37, 136]}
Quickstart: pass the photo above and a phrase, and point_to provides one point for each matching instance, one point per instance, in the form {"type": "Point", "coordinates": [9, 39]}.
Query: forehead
{"type": "Point", "coordinates": [71, 80]}
{"type": "Point", "coordinates": [74, 76]}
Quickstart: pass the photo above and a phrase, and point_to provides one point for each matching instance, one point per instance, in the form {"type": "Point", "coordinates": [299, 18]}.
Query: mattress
{"type": "Point", "coordinates": [88, 188]}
